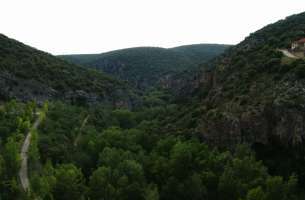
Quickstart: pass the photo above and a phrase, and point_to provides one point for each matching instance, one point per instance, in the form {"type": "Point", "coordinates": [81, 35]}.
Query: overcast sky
{"type": "Point", "coordinates": [94, 26]}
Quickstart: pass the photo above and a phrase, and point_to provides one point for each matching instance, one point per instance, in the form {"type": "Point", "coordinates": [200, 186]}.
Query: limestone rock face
{"type": "Point", "coordinates": [267, 113]}
{"type": "Point", "coordinates": [278, 125]}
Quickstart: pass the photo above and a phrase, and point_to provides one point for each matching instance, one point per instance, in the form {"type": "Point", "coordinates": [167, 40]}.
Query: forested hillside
{"type": "Point", "coordinates": [255, 94]}
{"type": "Point", "coordinates": [238, 133]}
{"type": "Point", "coordinates": [28, 74]}
{"type": "Point", "coordinates": [148, 67]}
{"type": "Point", "coordinates": [254, 82]}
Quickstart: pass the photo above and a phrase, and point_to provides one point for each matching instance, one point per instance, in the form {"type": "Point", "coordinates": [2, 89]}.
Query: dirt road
{"type": "Point", "coordinates": [23, 172]}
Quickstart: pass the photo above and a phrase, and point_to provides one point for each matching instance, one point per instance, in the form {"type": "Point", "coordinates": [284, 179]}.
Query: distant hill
{"type": "Point", "coordinates": [29, 74]}
{"type": "Point", "coordinates": [200, 53]}
{"type": "Point", "coordinates": [146, 67]}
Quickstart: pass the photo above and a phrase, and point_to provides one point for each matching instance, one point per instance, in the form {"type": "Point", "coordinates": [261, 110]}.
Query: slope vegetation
{"type": "Point", "coordinates": [255, 94]}
{"type": "Point", "coordinates": [145, 67]}
{"type": "Point", "coordinates": [29, 74]}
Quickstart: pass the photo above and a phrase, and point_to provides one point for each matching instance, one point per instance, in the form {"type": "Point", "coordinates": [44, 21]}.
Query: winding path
{"type": "Point", "coordinates": [23, 172]}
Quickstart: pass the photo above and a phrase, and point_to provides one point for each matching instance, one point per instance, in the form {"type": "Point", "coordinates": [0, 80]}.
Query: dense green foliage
{"type": "Point", "coordinates": [141, 161]}
{"type": "Point", "coordinates": [26, 71]}
{"type": "Point", "coordinates": [257, 60]}
{"type": "Point", "coordinates": [257, 96]}
{"type": "Point", "coordinates": [145, 67]}
{"type": "Point", "coordinates": [90, 153]}
{"type": "Point", "coordinates": [15, 121]}
{"type": "Point", "coordinates": [240, 137]}
{"type": "Point", "coordinates": [282, 33]}
{"type": "Point", "coordinates": [200, 53]}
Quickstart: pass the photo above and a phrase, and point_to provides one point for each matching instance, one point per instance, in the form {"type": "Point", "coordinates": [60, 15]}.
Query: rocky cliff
{"type": "Point", "coordinates": [253, 93]}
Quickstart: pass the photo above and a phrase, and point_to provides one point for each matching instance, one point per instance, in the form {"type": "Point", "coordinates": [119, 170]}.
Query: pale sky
{"type": "Point", "coordinates": [94, 26]}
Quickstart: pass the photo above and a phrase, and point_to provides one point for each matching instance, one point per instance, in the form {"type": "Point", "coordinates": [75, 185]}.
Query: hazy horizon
{"type": "Point", "coordinates": [84, 27]}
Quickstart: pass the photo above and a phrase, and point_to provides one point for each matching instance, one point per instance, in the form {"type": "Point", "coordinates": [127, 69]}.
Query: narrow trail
{"type": "Point", "coordinates": [287, 53]}
{"type": "Point", "coordinates": [80, 131]}
{"type": "Point", "coordinates": [23, 172]}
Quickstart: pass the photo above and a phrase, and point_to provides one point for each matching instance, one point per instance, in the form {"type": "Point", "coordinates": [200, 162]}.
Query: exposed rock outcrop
{"type": "Point", "coordinates": [252, 93]}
